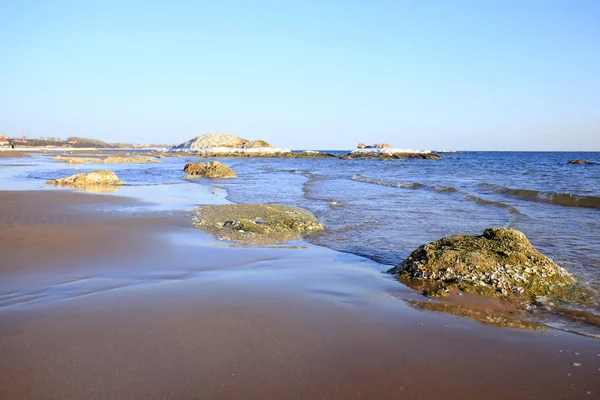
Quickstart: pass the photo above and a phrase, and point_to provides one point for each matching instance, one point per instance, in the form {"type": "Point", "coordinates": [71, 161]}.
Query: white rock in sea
{"type": "Point", "coordinates": [383, 150]}
{"type": "Point", "coordinates": [224, 143]}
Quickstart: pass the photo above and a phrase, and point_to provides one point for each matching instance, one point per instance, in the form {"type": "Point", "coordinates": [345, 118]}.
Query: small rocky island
{"type": "Point", "coordinates": [501, 263]}
{"type": "Point", "coordinates": [388, 152]}
{"type": "Point", "coordinates": [213, 170]}
{"type": "Point", "coordinates": [99, 177]}
{"type": "Point", "coordinates": [228, 145]}
{"type": "Point", "coordinates": [256, 223]}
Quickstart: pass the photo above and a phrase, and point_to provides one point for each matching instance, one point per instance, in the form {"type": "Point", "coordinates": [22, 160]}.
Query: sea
{"type": "Point", "coordinates": [384, 210]}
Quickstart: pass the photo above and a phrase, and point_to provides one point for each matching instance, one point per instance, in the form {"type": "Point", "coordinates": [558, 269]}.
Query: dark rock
{"type": "Point", "coordinates": [582, 162]}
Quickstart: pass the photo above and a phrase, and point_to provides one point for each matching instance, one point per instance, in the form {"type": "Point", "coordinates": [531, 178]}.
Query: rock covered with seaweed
{"type": "Point", "coordinates": [501, 262]}
{"type": "Point", "coordinates": [212, 169]}
{"type": "Point", "coordinates": [256, 223]}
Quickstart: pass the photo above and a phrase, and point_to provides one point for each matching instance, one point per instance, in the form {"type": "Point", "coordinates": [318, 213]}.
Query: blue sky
{"type": "Point", "coordinates": [478, 75]}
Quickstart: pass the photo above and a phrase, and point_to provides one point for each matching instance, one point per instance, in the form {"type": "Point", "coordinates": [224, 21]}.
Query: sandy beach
{"type": "Point", "coordinates": [99, 301]}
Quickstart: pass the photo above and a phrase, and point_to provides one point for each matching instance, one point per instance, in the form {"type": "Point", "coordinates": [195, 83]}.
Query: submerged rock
{"type": "Point", "coordinates": [213, 169]}
{"type": "Point", "coordinates": [227, 145]}
{"type": "Point", "coordinates": [100, 177]}
{"type": "Point", "coordinates": [501, 262]}
{"type": "Point", "coordinates": [106, 160]}
{"type": "Point", "coordinates": [256, 223]}
{"type": "Point", "coordinates": [582, 162]}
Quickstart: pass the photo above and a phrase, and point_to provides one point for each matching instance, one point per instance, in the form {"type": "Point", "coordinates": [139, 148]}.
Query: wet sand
{"type": "Point", "coordinates": [13, 153]}
{"type": "Point", "coordinates": [100, 301]}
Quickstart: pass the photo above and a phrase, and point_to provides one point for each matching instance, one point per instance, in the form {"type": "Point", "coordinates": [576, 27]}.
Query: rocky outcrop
{"type": "Point", "coordinates": [374, 146]}
{"type": "Point", "coordinates": [387, 152]}
{"type": "Point", "coordinates": [256, 223]}
{"type": "Point", "coordinates": [313, 154]}
{"type": "Point", "coordinates": [100, 177]}
{"type": "Point", "coordinates": [106, 160]}
{"type": "Point", "coordinates": [501, 262]}
{"type": "Point", "coordinates": [213, 169]}
{"type": "Point", "coordinates": [390, 155]}
{"type": "Point", "coordinates": [227, 145]}
{"type": "Point", "coordinates": [257, 144]}
{"type": "Point", "coordinates": [585, 162]}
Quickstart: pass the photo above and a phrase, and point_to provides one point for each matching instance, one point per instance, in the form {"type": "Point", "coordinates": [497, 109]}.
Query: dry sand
{"type": "Point", "coordinates": [97, 303]}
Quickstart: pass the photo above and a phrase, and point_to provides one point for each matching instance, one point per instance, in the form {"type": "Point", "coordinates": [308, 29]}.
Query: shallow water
{"type": "Point", "coordinates": [384, 210]}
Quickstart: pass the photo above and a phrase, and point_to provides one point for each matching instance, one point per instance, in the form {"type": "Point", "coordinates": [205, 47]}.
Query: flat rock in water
{"type": "Point", "coordinates": [582, 162]}
{"type": "Point", "coordinates": [313, 154]}
{"type": "Point", "coordinates": [213, 169]}
{"type": "Point", "coordinates": [256, 223]}
{"type": "Point", "coordinates": [501, 262]}
{"type": "Point", "coordinates": [100, 177]}
{"type": "Point", "coordinates": [388, 152]}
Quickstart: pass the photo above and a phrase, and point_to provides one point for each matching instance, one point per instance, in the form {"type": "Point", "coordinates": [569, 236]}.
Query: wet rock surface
{"type": "Point", "coordinates": [213, 169]}
{"type": "Point", "coordinates": [256, 223]}
{"type": "Point", "coordinates": [94, 178]}
{"type": "Point", "coordinates": [501, 262]}
{"type": "Point", "coordinates": [584, 162]}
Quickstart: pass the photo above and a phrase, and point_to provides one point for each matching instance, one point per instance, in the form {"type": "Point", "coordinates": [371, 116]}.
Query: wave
{"type": "Point", "coordinates": [563, 199]}
{"type": "Point", "coordinates": [436, 188]}
{"type": "Point", "coordinates": [387, 182]}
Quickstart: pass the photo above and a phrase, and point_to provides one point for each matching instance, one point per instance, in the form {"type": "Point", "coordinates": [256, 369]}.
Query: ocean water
{"type": "Point", "coordinates": [383, 210]}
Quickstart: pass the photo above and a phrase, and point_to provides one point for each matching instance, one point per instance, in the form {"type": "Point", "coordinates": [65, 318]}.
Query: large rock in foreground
{"type": "Point", "coordinates": [227, 145]}
{"type": "Point", "coordinates": [213, 169]}
{"type": "Point", "coordinates": [100, 177]}
{"type": "Point", "coordinates": [256, 223]}
{"type": "Point", "coordinates": [501, 262]}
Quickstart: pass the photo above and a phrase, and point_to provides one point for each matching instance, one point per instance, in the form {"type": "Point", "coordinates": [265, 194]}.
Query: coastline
{"type": "Point", "coordinates": [141, 305]}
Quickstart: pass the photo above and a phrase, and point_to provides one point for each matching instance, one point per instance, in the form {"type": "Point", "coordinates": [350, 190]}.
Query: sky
{"type": "Point", "coordinates": [422, 74]}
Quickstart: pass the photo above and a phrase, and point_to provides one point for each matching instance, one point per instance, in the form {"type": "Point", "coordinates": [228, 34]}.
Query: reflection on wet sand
{"type": "Point", "coordinates": [500, 318]}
